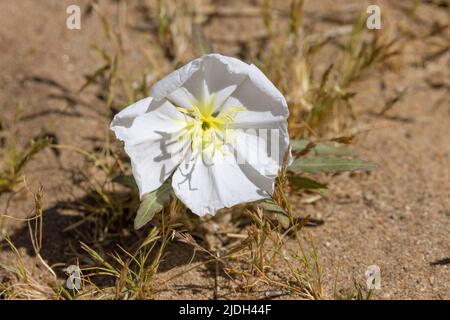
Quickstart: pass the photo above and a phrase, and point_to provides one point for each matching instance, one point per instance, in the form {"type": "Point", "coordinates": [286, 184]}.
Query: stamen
{"type": "Point", "coordinates": [205, 125]}
{"type": "Point", "coordinates": [206, 128]}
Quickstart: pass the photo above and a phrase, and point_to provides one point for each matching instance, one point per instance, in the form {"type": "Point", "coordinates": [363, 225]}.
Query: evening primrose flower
{"type": "Point", "coordinates": [217, 127]}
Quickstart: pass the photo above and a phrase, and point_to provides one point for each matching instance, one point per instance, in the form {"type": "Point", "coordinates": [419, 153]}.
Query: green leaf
{"type": "Point", "coordinates": [270, 205]}
{"type": "Point", "coordinates": [91, 78]}
{"type": "Point", "coordinates": [127, 181]}
{"type": "Point", "coordinates": [306, 183]}
{"type": "Point", "coordinates": [281, 214]}
{"type": "Point", "coordinates": [320, 149]}
{"type": "Point", "coordinates": [151, 204]}
{"type": "Point", "coordinates": [151, 237]}
{"type": "Point", "coordinates": [325, 164]}
{"type": "Point", "coordinates": [34, 147]}
{"type": "Point", "coordinates": [298, 145]}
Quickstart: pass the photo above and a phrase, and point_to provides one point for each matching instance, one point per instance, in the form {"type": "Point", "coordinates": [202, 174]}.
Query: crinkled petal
{"type": "Point", "coordinates": [154, 140]}
{"type": "Point", "coordinates": [174, 80]}
{"type": "Point", "coordinates": [221, 75]}
{"type": "Point", "coordinates": [260, 98]}
{"type": "Point", "coordinates": [207, 186]}
{"type": "Point", "coordinates": [263, 108]}
{"type": "Point", "coordinates": [125, 118]}
{"type": "Point", "coordinates": [257, 157]}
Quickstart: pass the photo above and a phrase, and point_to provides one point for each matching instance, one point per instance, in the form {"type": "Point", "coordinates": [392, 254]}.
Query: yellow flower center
{"type": "Point", "coordinates": [206, 128]}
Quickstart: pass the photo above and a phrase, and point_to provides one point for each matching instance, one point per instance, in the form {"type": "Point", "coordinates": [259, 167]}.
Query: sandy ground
{"type": "Point", "coordinates": [397, 217]}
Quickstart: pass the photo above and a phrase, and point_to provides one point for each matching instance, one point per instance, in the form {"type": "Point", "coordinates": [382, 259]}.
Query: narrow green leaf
{"type": "Point", "coordinates": [270, 205]}
{"type": "Point", "coordinates": [281, 214]}
{"type": "Point", "coordinates": [152, 236]}
{"type": "Point", "coordinates": [320, 149]}
{"type": "Point", "coordinates": [35, 147]}
{"type": "Point", "coordinates": [127, 181]}
{"type": "Point", "coordinates": [325, 164]}
{"type": "Point", "coordinates": [151, 204]}
{"type": "Point", "coordinates": [91, 78]}
{"type": "Point", "coordinates": [298, 145]}
{"type": "Point", "coordinates": [306, 183]}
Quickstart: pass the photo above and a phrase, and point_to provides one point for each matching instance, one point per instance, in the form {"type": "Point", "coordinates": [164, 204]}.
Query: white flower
{"type": "Point", "coordinates": [217, 126]}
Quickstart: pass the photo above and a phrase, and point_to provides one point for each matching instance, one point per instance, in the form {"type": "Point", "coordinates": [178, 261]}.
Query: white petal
{"type": "Point", "coordinates": [182, 98]}
{"type": "Point", "coordinates": [256, 156]}
{"type": "Point", "coordinates": [207, 187]}
{"type": "Point", "coordinates": [221, 74]}
{"type": "Point", "coordinates": [151, 141]}
{"type": "Point", "coordinates": [126, 117]}
{"type": "Point", "coordinates": [265, 108]}
{"type": "Point", "coordinates": [174, 80]}
{"type": "Point", "coordinates": [262, 101]}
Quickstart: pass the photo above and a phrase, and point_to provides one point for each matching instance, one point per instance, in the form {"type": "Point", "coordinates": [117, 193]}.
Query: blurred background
{"type": "Point", "coordinates": [385, 91]}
